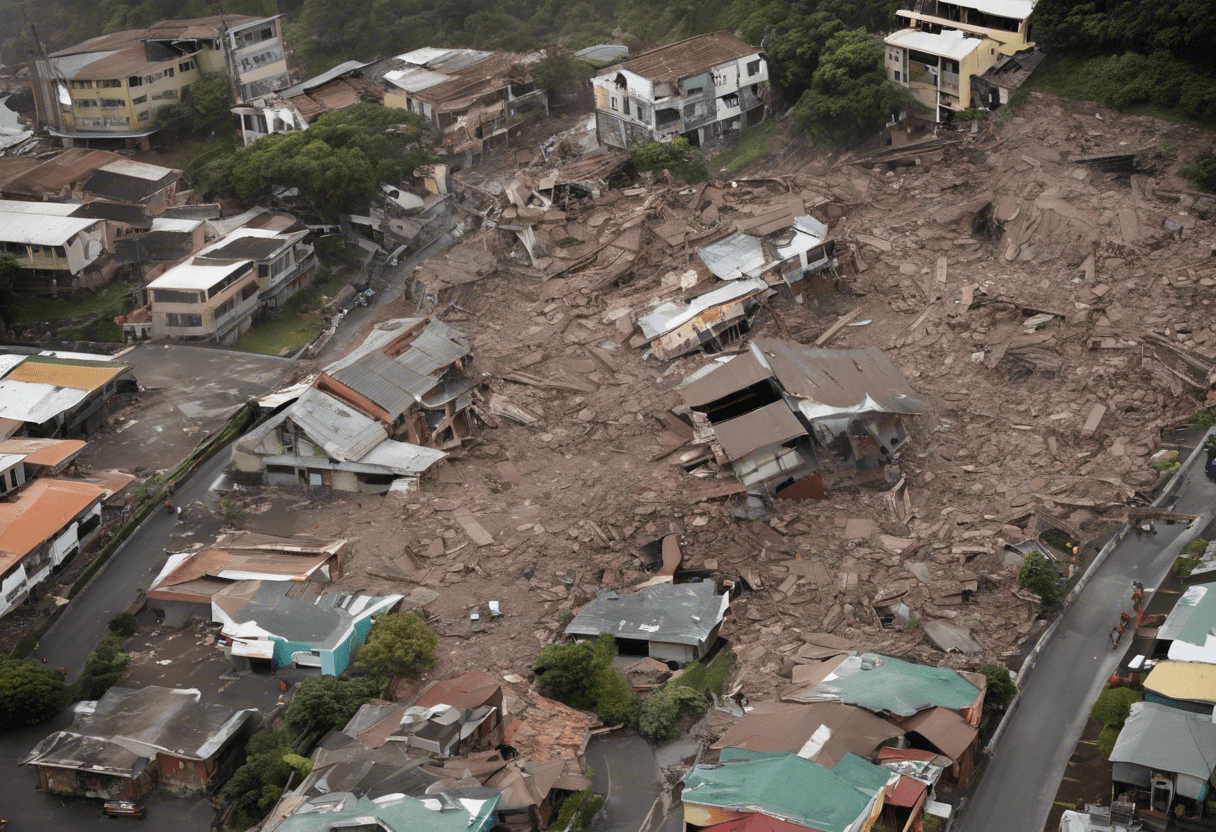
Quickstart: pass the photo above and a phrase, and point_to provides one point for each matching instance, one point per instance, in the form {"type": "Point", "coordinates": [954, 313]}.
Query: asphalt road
{"type": "Point", "coordinates": [1016, 790]}
{"type": "Point", "coordinates": [133, 567]}
{"type": "Point", "coordinates": [626, 774]}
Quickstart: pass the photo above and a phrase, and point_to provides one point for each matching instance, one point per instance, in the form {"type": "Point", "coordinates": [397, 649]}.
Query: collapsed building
{"type": "Point", "coordinates": [383, 413]}
{"type": "Point", "coordinates": [793, 420]}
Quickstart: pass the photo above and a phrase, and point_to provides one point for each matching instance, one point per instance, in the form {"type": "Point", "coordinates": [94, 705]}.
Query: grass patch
{"type": "Point", "coordinates": [84, 316]}
{"type": "Point", "coordinates": [754, 144]}
{"type": "Point", "coordinates": [299, 321]}
{"type": "Point", "coordinates": [712, 676]}
{"type": "Point", "coordinates": [1119, 82]}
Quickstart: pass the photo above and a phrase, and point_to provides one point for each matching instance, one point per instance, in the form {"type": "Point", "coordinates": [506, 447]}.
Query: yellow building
{"type": "Point", "coordinates": [108, 89]}
{"type": "Point", "coordinates": [967, 53]}
{"type": "Point", "coordinates": [205, 300]}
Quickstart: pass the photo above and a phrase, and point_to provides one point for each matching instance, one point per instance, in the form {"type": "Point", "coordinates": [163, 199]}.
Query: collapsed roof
{"type": "Point", "coordinates": [672, 613]}
{"type": "Point", "coordinates": [885, 685]}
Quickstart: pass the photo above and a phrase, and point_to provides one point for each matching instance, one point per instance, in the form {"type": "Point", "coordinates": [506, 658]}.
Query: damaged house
{"type": "Point", "coordinates": [793, 420]}
{"type": "Point", "coordinates": [474, 98]}
{"type": "Point", "coordinates": [189, 580]}
{"type": "Point", "coordinates": [121, 746]}
{"type": "Point", "coordinates": [382, 413]}
{"type": "Point", "coordinates": [293, 108]}
{"type": "Point", "coordinates": [782, 246]}
{"type": "Point", "coordinates": [698, 88]}
{"type": "Point", "coordinates": [279, 623]}
{"type": "Point", "coordinates": [669, 622]}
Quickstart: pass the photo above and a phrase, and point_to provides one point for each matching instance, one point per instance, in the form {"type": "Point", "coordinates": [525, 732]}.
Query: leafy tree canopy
{"type": "Point", "coordinates": [326, 702]}
{"type": "Point", "coordinates": [29, 693]}
{"type": "Point", "coordinates": [1040, 576]}
{"type": "Point", "coordinates": [205, 108]}
{"type": "Point", "coordinates": [398, 644]}
{"type": "Point", "coordinates": [1001, 688]}
{"type": "Point", "coordinates": [103, 667]}
{"type": "Point", "coordinates": [1114, 705]}
{"type": "Point", "coordinates": [583, 676]}
{"type": "Point", "coordinates": [677, 157]}
{"type": "Point", "coordinates": [661, 713]}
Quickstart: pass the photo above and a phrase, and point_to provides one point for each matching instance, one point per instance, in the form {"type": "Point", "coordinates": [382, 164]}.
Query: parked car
{"type": "Point", "coordinates": [123, 809]}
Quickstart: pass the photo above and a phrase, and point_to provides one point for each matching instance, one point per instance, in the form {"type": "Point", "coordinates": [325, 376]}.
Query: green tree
{"type": "Point", "coordinates": [337, 164]}
{"type": "Point", "coordinates": [256, 786]}
{"type": "Point", "coordinates": [660, 714]}
{"type": "Point", "coordinates": [326, 702]}
{"type": "Point", "coordinates": [558, 70]}
{"type": "Point", "coordinates": [29, 693]}
{"type": "Point", "coordinates": [10, 270]}
{"type": "Point", "coordinates": [205, 108]}
{"type": "Point", "coordinates": [794, 53]}
{"type": "Point", "coordinates": [1040, 576]}
{"type": "Point", "coordinates": [678, 157]}
{"type": "Point", "coordinates": [399, 643]}
{"type": "Point", "coordinates": [103, 667]}
{"type": "Point", "coordinates": [568, 673]}
{"type": "Point", "coordinates": [1001, 688]}
{"type": "Point", "coordinates": [1113, 706]}
{"type": "Point", "coordinates": [850, 96]}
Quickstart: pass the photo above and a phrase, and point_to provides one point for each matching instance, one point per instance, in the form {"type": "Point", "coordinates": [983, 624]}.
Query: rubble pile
{"type": "Point", "coordinates": [1052, 312]}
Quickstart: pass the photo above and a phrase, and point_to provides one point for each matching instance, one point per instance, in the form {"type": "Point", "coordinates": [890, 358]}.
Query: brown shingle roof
{"type": "Point", "coordinates": [687, 57]}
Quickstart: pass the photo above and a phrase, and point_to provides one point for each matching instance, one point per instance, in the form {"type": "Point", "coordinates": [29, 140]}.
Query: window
{"type": "Point", "coordinates": [185, 66]}
{"type": "Point", "coordinates": [753, 67]}
{"type": "Point", "coordinates": [691, 91]}
{"type": "Point", "coordinates": [249, 291]}
{"type": "Point", "coordinates": [185, 319]}
{"type": "Point", "coordinates": [86, 102]}
{"type": "Point", "coordinates": [143, 116]}
{"type": "Point", "coordinates": [897, 78]}
{"type": "Point", "coordinates": [625, 105]}
{"type": "Point", "coordinates": [81, 85]}
{"type": "Point", "coordinates": [731, 100]}
{"type": "Point", "coordinates": [139, 99]}
{"type": "Point", "coordinates": [109, 83]}
{"type": "Point", "coordinates": [164, 94]}
{"type": "Point", "coordinates": [135, 81]}
{"type": "Point", "coordinates": [169, 72]}
{"type": "Point", "coordinates": [614, 104]}
{"type": "Point", "coordinates": [174, 296]}
{"type": "Point", "coordinates": [225, 307]}
{"type": "Point", "coordinates": [113, 102]}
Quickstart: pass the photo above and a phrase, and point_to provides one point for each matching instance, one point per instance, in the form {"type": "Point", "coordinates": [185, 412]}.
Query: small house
{"type": "Point", "coordinates": [1166, 754]}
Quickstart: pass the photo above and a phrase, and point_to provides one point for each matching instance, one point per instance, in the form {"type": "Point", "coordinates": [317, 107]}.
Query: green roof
{"type": "Point", "coordinates": [400, 814]}
{"type": "Point", "coordinates": [881, 683]}
{"type": "Point", "coordinates": [787, 787]}
{"type": "Point", "coordinates": [1193, 618]}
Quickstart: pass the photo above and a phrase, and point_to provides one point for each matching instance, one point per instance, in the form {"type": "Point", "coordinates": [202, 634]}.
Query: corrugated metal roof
{"type": "Point", "coordinates": [673, 613]}
{"type": "Point", "coordinates": [49, 209]}
{"type": "Point", "coordinates": [36, 403]}
{"type": "Point", "coordinates": [10, 360]}
{"type": "Point", "coordinates": [883, 684]}
{"type": "Point", "coordinates": [950, 43]}
{"type": "Point", "coordinates": [377, 339]}
{"type": "Point", "coordinates": [945, 729]}
{"type": "Point", "coordinates": [1193, 618]}
{"type": "Point", "coordinates": [739, 373]}
{"type": "Point", "coordinates": [388, 383]}
{"type": "Point", "coordinates": [402, 457]}
{"type": "Point", "coordinates": [199, 274]}
{"type": "Point", "coordinates": [414, 79]}
{"type": "Point", "coordinates": [819, 731]}
{"type": "Point", "coordinates": [342, 431]}
{"type": "Point", "coordinates": [50, 452]}
{"type": "Point", "coordinates": [687, 57]}
{"type": "Point", "coordinates": [743, 254]}
{"type": "Point", "coordinates": [788, 788]}
{"type": "Point", "coordinates": [1162, 738]}
{"type": "Point", "coordinates": [672, 314]}
{"type": "Point", "coordinates": [765, 426]}
{"type": "Point", "coordinates": [832, 380]}
{"type": "Point", "coordinates": [41, 229]}
{"type": "Point", "coordinates": [1195, 681]}
{"type": "Point", "coordinates": [39, 511]}
{"type": "Point", "coordinates": [88, 376]}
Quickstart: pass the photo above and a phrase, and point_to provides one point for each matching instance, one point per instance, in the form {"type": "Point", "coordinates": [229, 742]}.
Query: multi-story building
{"type": "Point", "coordinates": [963, 53]}
{"type": "Point", "coordinates": [205, 300]}
{"type": "Point", "coordinates": [109, 88]}
{"type": "Point", "coordinates": [285, 263]}
{"type": "Point", "coordinates": [57, 252]}
{"type": "Point", "coordinates": [699, 88]}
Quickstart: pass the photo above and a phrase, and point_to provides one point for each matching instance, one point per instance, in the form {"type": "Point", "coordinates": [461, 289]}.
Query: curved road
{"type": "Point", "coordinates": [626, 774]}
{"type": "Point", "coordinates": [1016, 791]}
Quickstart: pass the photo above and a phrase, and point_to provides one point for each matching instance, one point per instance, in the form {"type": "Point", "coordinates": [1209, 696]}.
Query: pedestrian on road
{"type": "Point", "coordinates": [1114, 632]}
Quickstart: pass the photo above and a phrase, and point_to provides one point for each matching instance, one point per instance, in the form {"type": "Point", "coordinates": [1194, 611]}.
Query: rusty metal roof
{"type": "Point", "coordinates": [798, 729]}
{"type": "Point", "coordinates": [38, 512]}
{"type": "Point", "coordinates": [50, 452]}
{"type": "Point", "coordinates": [769, 425]}
{"type": "Point", "coordinates": [739, 373]}
{"type": "Point", "coordinates": [945, 729]}
{"type": "Point", "coordinates": [687, 57]}
{"type": "Point", "coordinates": [77, 375]}
{"type": "Point", "coordinates": [470, 691]}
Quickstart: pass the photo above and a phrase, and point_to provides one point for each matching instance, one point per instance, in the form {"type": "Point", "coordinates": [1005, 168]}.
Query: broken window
{"type": "Point", "coordinates": [753, 67]}
{"type": "Point", "coordinates": [620, 81]}
{"type": "Point", "coordinates": [666, 116]}
{"type": "Point", "coordinates": [625, 105]}
{"type": "Point", "coordinates": [731, 100]}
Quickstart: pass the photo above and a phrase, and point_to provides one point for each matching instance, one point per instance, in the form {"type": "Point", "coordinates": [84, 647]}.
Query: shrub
{"type": "Point", "coordinates": [326, 702]}
{"type": "Point", "coordinates": [399, 643]}
{"type": "Point", "coordinates": [1201, 172]}
{"type": "Point", "coordinates": [29, 693]}
{"type": "Point", "coordinates": [1113, 706]}
{"type": "Point", "coordinates": [684, 162]}
{"type": "Point", "coordinates": [576, 810]}
{"type": "Point", "coordinates": [1195, 547]}
{"type": "Point", "coordinates": [123, 625]}
{"type": "Point", "coordinates": [231, 511]}
{"type": "Point", "coordinates": [707, 677]}
{"type": "Point", "coordinates": [660, 714]}
{"type": "Point", "coordinates": [583, 676]}
{"type": "Point", "coordinates": [1183, 567]}
{"type": "Point", "coordinates": [1001, 688]}
{"type": "Point", "coordinates": [615, 702]}
{"type": "Point", "coordinates": [256, 786]}
{"type": "Point", "coordinates": [104, 666]}
{"type": "Point", "coordinates": [1040, 576]}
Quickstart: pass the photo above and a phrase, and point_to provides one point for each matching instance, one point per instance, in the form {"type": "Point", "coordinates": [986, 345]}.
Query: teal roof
{"type": "Point", "coordinates": [787, 787]}
{"type": "Point", "coordinates": [883, 684]}
{"type": "Point", "coordinates": [1193, 617]}
{"type": "Point", "coordinates": [399, 814]}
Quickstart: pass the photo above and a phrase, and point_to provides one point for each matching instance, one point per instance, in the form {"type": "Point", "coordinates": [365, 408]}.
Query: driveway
{"type": "Point", "coordinates": [626, 774]}
{"type": "Point", "coordinates": [1015, 792]}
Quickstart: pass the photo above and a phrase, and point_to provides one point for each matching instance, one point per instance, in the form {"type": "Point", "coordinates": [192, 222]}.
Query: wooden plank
{"type": "Point", "coordinates": [1093, 421]}
{"type": "Point", "coordinates": [476, 532]}
{"type": "Point", "coordinates": [840, 324]}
